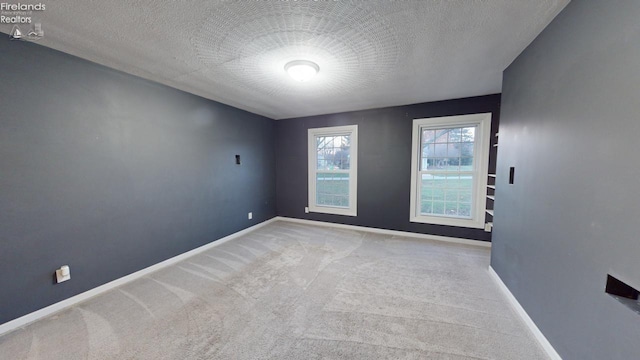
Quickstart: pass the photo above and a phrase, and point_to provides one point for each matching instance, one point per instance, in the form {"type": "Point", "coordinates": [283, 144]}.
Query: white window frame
{"type": "Point", "coordinates": [351, 130]}
{"type": "Point", "coordinates": [480, 168]}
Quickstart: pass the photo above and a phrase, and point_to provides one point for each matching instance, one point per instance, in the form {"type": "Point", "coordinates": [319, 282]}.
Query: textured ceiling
{"type": "Point", "coordinates": [371, 53]}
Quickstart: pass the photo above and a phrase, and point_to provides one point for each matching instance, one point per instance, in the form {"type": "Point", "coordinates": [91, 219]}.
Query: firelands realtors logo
{"type": "Point", "coordinates": [22, 17]}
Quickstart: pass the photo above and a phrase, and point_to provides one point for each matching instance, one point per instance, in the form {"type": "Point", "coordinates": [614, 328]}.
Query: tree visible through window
{"type": "Point", "coordinates": [332, 170]}
{"type": "Point", "coordinates": [332, 176]}
{"type": "Point", "coordinates": [449, 170]}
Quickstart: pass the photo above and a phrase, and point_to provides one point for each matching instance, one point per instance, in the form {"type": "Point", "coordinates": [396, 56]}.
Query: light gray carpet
{"type": "Point", "coordinates": [289, 291]}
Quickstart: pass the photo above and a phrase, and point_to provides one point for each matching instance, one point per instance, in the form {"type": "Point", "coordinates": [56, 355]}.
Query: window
{"type": "Point", "coordinates": [449, 165]}
{"type": "Point", "coordinates": [333, 164]}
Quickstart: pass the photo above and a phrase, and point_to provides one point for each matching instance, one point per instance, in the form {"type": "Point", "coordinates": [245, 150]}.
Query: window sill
{"type": "Point", "coordinates": [333, 211]}
{"type": "Point", "coordinates": [434, 220]}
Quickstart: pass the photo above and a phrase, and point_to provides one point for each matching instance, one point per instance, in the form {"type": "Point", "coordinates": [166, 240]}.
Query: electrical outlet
{"type": "Point", "coordinates": [250, 215]}
{"type": "Point", "coordinates": [306, 210]}
{"type": "Point", "coordinates": [63, 274]}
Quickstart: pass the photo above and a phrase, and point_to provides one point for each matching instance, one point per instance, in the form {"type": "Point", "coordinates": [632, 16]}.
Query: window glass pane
{"type": "Point", "coordinates": [426, 207]}
{"type": "Point", "coordinates": [464, 196]}
{"type": "Point", "coordinates": [428, 150]}
{"type": "Point", "coordinates": [442, 136]}
{"type": "Point", "coordinates": [332, 189]}
{"type": "Point", "coordinates": [453, 150]}
{"type": "Point", "coordinates": [438, 208]}
{"type": "Point", "coordinates": [454, 135]}
{"type": "Point", "coordinates": [427, 158]}
{"type": "Point", "coordinates": [447, 149]}
{"type": "Point", "coordinates": [451, 194]}
{"type": "Point", "coordinates": [333, 152]}
{"type": "Point", "coordinates": [466, 150]}
{"type": "Point", "coordinates": [466, 164]}
{"type": "Point", "coordinates": [464, 210]}
{"type": "Point", "coordinates": [440, 150]}
{"type": "Point", "coordinates": [451, 208]}
{"type": "Point", "coordinates": [428, 136]}
{"type": "Point", "coordinates": [446, 195]}
{"type": "Point", "coordinates": [468, 134]}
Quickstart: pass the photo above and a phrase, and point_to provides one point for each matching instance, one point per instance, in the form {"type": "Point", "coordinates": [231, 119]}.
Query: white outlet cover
{"type": "Point", "coordinates": [250, 215]}
{"type": "Point", "coordinates": [61, 278]}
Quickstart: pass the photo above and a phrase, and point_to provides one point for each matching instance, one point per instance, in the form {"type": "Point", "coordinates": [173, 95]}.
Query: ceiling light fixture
{"type": "Point", "coordinates": [302, 70]}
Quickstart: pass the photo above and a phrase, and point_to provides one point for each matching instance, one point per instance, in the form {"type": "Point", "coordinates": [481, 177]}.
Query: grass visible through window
{"type": "Point", "coordinates": [332, 189]}
{"type": "Point", "coordinates": [447, 195]}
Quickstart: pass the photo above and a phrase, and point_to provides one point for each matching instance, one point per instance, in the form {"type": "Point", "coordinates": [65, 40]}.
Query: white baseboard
{"type": "Point", "coordinates": [389, 232]}
{"type": "Point", "coordinates": [39, 314]}
{"type": "Point", "coordinates": [548, 348]}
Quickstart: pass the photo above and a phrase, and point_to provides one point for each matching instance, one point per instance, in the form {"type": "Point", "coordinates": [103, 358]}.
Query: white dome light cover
{"type": "Point", "coordinates": [302, 70]}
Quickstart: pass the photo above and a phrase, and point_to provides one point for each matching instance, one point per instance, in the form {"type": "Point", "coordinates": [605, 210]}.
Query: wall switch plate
{"type": "Point", "coordinates": [250, 216]}
{"type": "Point", "coordinates": [306, 210]}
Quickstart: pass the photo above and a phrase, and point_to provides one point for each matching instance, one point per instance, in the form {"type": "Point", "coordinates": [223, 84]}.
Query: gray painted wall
{"type": "Point", "coordinates": [570, 125]}
{"type": "Point", "coordinates": [109, 174]}
{"type": "Point", "coordinates": [384, 163]}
